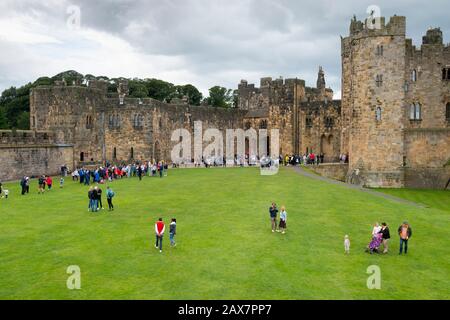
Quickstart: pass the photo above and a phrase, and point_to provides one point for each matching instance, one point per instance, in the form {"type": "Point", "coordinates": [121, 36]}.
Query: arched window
{"type": "Point", "coordinates": [114, 155]}
{"type": "Point", "coordinates": [132, 153]}
{"type": "Point", "coordinates": [447, 111]}
{"type": "Point", "coordinates": [414, 75]}
{"type": "Point", "coordinates": [378, 114]}
{"type": "Point", "coordinates": [415, 111]}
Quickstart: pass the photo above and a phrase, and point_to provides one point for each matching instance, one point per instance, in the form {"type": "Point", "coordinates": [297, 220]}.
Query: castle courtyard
{"type": "Point", "coordinates": [225, 248]}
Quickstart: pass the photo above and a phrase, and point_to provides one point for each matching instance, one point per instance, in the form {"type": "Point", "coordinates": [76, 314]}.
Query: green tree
{"type": "Point", "coordinates": [23, 121]}
{"type": "Point", "coordinates": [3, 120]}
{"type": "Point", "coordinates": [188, 90]}
{"type": "Point", "coordinates": [160, 90]}
{"type": "Point", "coordinates": [220, 97]}
{"type": "Point", "coordinates": [43, 81]}
{"type": "Point", "coordinates": [137, 89]}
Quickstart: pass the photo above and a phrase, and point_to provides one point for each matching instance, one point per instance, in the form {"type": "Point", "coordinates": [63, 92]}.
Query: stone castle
{"type": "Point", "coordinates": [393, 121]}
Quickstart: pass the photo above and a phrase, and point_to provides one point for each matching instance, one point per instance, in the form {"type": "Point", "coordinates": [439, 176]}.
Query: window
{"type": "Point", "coordinates": [414, 75]}
{"type": "Point", "coordinates": [247, 125]}
{"type": "Point", "coordinates": [114, 154]}
{"type": "Point", "coordinates": [89, 123]}
{"type": "Point", "coordinates": [380, 50]}
{"type": "Point", "coordinates": [379, 80]}
{"type": "Point", "coordinates": [263, 124]}
{"type": "Point", "coordinates": [309, 122]}
{"type": "Point", "coordinates": [447, 112]}
{"type": "Point", "coordinates": [446, 74]}
{"type": "Point", "coordinates": [132, 153]}
{"type": "Point", "coordinates": [378, 114]}
{"type": "Point", "coordinates": [415, 111]}
{"type": "Point", "coordinates": [329, 122]}
{"type": "Point", "coordinates": [138, 121]}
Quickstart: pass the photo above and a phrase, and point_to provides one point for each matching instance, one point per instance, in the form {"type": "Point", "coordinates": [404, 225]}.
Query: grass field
{"type": "Point", "coordinates": [225, 249]}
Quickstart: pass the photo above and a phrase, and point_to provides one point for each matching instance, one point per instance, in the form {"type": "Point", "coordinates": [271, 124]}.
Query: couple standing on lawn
{"type": "Point", "coordinates": [273, 218]}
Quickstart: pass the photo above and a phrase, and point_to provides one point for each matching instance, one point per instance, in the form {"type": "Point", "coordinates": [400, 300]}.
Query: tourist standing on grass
{"type": "Point", "coordinates": [49, 182]}
{"type": "Point", "coordinates": [273, 216]}
{"type": "Point", "coordinates": [159, 230]}
{"type": "Point", "coordinates": [109, 196]}
{"type": "Point", "coordinates": [99, 198]}
{"type": "Point", "coordinates": [41, 183]}
{"type": "Point", "coordinates": [347, 244]}
{"type": "Point", "coordinates": [386, 236]}
{"type": "Point", "coordinates": [405, 232]}
{"type": "Point", "coordinates": [283, 219]}
{"type": "Point", "coordinates": [173, 232]}
{"type": "Point", "coordinates": [95, 199]}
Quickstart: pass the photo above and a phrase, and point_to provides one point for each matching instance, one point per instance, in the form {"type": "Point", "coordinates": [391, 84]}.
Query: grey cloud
{"type": "Point", "coordinates": [217, 38]}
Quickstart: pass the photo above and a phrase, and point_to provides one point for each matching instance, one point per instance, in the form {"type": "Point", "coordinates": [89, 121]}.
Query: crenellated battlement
{"type": "Point", "coordinates": [26, 137]}
{"type": "Point", "coordinates": [378, 27]}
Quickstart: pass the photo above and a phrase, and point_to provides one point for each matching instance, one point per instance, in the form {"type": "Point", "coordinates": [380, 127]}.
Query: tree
{"type": "Point", "coordinates": [220, 97]}
{"type": "Point", "coordinates": [23, 121]}
{"type": "Point", "coordinates": [160, 90]}
{"type": "Point", "coordinates": [43, 81]}
{"type": "Point", "coordinates": [137, 89]}
{"type": "Point", "coordinates": [3, 120]}
{"type": "Point", "coordinates": [188, 90]}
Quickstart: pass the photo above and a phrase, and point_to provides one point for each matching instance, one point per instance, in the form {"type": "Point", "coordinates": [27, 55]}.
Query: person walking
{"type": "Point", "coordinates": [41, 183]}
{"type": "Point", "coordinates": [405, 232]}
{"type": "Point", "coordinates": [385, 236]}
{"type": "Point", "coordinates": [173, 232]}
{"type": "Point", "coordinates": [109, 196]}
{"type": "Point", "coordinates": [159, 230]}
{"type": "Point", "coordinates": [273, 216]}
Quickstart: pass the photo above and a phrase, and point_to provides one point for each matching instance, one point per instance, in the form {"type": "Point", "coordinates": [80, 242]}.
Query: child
{"type": "Point", "coordinates": [347, 244]}
{"type": "Point", "coordinates": [61, 182]}
{"type": "Point", "coordinates": [283, 218]}
{"type": "Point", "coordinates": [173, 232]}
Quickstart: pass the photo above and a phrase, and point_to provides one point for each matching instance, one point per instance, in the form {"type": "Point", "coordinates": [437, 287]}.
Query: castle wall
{"type": "Point", "coordinates": [31, 153]}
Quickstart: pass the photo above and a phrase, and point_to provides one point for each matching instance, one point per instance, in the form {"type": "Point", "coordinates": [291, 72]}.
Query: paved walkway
{"type": "Point", "coordinates": [305, 173]}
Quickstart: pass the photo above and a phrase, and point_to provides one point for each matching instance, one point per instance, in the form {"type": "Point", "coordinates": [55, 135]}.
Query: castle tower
{"type": "Point", "coordinates": [321, 79]}
{"type": "Point", "coordinates": [373, 77]}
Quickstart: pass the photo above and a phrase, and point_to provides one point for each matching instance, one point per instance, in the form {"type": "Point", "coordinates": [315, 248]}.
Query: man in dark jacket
{"type": "Point", "coordinates": [405, 232]}
{"type": "Point", "coordinates": [386, 236]}
{"type": "Point", "coordinates": [273, 216]}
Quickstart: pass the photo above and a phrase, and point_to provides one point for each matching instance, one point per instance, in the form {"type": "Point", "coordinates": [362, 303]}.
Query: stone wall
{"type": "Point", "coordinates": [337, 171]}
{"type": "Point", "coordinates": [31, 153]}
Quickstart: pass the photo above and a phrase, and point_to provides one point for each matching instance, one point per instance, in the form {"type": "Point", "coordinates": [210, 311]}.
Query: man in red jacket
{"type": "Point", "coordinates": [159, 230]}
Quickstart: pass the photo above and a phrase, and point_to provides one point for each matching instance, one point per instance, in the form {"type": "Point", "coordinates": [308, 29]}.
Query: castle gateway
{"type": "Point", "coordinates": [393, 121]}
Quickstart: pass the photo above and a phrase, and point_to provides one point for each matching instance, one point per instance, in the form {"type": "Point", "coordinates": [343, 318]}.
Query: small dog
{"type": "Point", "coordinates": [347, 244]}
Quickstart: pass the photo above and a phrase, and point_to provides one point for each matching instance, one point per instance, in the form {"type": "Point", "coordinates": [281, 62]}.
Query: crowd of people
{"type": "Point", "coordinates": [109, 172]}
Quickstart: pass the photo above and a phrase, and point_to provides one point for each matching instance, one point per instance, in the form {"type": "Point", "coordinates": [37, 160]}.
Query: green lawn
{"type": "Point", "coordinates": [225, 249]}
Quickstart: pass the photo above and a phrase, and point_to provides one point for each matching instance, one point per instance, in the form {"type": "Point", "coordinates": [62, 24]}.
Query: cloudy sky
{"type": "Point", "coordinates": [203, 42]}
